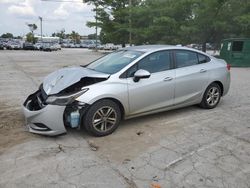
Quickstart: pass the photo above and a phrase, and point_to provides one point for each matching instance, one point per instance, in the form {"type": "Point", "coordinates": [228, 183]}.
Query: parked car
{"type": "Point", "coordinates": [100, 47]}
{"type": "Point", "coordinates": [38, 46]}
{"type": "Point", "coordinates": [89, 43]}
{"type": "Point", "coordinates": [28, 46]}
{"type": "Point", "coordinates": [71, 45]}
{"type": "Point", "coordinates": [57, 46]}
{"type": "Point", "coordinates": [109, 46]}
{"type": "Point", "coordinates": [130, 82]}
{"type": "Point", "coordinates": [93, 46]}
{"type": "Point", "coordinates": [84, 45]}
{"type": "Point", "coordinates": [14, 46]}
{"type": "Point", "coordinates": [77, 46]}
{"type": "Point", "coordinates": [48, 47]}
{"type": "Point", "coordinates": [1, 46]}
{"type": "Point", "coordinates": [64, 45]}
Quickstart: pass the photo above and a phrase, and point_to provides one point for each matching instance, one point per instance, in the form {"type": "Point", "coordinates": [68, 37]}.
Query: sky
{"type": "Point", "coordinates": [70, 16]}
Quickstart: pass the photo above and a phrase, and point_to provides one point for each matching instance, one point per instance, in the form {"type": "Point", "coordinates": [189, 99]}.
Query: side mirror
{"type": "Point", "coordinates": [141, 74]}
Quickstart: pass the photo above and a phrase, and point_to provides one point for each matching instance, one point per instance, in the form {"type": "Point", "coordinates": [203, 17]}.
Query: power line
{"type": "Point", "coordinates": [62, 1]}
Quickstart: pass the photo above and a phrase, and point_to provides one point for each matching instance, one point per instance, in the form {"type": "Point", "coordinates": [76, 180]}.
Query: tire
{"type": "Point", "coordinates": [102, 118]}
{"type": "Point", "coordinates": [211, 97]}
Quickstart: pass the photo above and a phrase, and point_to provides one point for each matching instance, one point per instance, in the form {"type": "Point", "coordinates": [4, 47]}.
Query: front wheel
{"type": "Point", "coordinates": [102, 118]}
{"type": "Point", "coordinates": [211, 96]}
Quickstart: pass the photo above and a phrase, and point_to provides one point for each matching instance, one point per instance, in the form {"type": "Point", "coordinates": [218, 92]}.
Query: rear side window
{"type": "Point", "coordinates": [237, 46]}
{"type": "Point", "coordinates": [203, 59]}
{"type": "Point", "coordinates": [185, 58]}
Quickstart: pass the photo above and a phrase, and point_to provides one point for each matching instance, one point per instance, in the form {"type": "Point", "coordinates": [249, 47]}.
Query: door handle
{"type": "Point", "coordinates": [168, 79]}
{"type": "Point", "coordinates": [203, 70]}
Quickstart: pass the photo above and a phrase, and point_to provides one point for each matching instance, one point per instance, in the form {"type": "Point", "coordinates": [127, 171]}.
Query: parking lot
{"type": "Point", "coordinates": [189, 147]}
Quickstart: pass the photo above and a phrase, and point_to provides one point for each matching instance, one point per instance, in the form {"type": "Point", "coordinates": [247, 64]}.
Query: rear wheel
{"type": "Point", "coordinates": [102, 118]}
{"type": "Point", "coordinates": [211, 96]}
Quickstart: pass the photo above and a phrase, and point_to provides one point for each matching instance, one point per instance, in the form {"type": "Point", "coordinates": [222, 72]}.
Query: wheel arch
{"type": "Point", "coordinates": [221, 86]}
{"type": "Point", "coordinates": [121, 107]}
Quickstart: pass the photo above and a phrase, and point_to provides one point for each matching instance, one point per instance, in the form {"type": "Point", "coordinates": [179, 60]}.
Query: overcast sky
{"type": "Point", "coordinates": [15, 14]}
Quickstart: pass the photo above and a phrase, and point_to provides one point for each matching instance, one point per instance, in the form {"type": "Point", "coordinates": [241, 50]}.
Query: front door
{"type": "Point", "coordinates": [155, 92]}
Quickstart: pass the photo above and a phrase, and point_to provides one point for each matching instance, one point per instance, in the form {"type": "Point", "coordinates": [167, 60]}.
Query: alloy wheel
{"type": "Point", "coordinates": [104, 119]}
{"type": "Point", "coordinates": [213, 96]}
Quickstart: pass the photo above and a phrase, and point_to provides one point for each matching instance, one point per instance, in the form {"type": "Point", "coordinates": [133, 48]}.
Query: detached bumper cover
{"type": "Point", "coordinates": [42, 118]}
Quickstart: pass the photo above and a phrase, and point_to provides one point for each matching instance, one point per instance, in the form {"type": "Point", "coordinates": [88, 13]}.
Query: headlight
{"type": "Point", "coordinates": [64, 100]}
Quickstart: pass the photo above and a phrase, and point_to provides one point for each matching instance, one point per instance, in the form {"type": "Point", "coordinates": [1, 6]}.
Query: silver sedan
{"type": "Point", "coordinates": [130, 82]}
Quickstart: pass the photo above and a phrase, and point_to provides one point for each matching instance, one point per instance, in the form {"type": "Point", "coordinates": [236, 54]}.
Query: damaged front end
{"type": "Point", "coordinates": [42, 118]}
{"type": "Point", "coordinates": [48, 113]}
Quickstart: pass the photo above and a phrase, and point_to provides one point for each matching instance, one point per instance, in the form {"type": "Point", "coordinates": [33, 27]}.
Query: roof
{"type": "Point", "coordinates": [151, 48]}
{"type": "Point", "coordinates": [148, 48]}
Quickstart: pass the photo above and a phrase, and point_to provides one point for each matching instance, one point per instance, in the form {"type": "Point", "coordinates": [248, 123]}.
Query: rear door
{"type": "Point", "coordinates": [191, 76]}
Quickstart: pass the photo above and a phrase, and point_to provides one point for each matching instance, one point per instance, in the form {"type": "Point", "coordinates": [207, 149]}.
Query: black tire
{"type": "Point", "coordinates": [215, 98]}
{"type": "Point", "coordinates": [102, 107]}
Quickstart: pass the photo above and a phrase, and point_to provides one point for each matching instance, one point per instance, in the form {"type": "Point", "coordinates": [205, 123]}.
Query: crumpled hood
{"type": "Point", "coordinates": [63, 78]}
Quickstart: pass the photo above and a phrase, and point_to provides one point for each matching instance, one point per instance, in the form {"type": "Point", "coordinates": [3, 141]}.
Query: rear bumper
{"type": "Point", "coordinates": [227, 83]}
{"type": "Point", "coordinates": [45, 120]}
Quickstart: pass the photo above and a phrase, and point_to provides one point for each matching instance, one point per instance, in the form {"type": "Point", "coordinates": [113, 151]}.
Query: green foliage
{"type": "Point", "coordinates": [30, 38]}
{"type": "Point", "coordinates": [32, 27]}
{"type": "Point", "coordinates": [74, 36]}
{"type": "Point", "coordinates": [92, 36]}
{"type": "Point", "coordinates": [171, 21]}
{"type": "Point", "coordinates": [7, 35]}
{"type": "Point", "coordinates": [60, 34]}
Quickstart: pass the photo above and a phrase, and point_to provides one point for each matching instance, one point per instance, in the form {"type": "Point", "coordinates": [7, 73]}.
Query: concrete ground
{"type": "Point", "coordinates": [189, 147]}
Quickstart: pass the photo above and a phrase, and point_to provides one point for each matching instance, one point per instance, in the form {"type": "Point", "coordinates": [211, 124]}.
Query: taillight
{"type": "Point", "coordinates": [228, 67]}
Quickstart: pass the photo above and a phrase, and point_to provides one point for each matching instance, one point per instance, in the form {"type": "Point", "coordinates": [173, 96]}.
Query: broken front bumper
{"type": "Point", "coordinates": [42, 118]}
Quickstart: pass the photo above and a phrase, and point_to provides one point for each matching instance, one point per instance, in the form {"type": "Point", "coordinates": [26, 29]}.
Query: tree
{"type": "Point", "coordinates": [171, 21]}
{"type": "Point", "coordinates": [60, 34]}
{"type": "Point", "coordinates": [113, 19]}
{"type": "Point", "coordinates": [92, 36]}
{"type": "Point", "coordinates": [161, 22]}
{"type": "Point", "coordinates": [32, 27]}
{"type": "Point", "coordinates": [30, 38]}
{"type": "Point", "coordinates": [241, 18]}
{"type": "Point", "coordinates": [74, 36]}
{"type": "Point", "coordinates": [7, 35]}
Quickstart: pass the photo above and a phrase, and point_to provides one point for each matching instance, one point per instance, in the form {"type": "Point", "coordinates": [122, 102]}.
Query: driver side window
{"type": "Point", "coordinates": [155, 62]}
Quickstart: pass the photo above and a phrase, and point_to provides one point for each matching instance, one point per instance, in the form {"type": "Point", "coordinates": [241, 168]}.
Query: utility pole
{"type": "Point", "coordinates": [96, 33]}
{"type": "Point", "coordinates": [95, 26]}
{"type": "Point", "coordinates": [41, 27]}
{"type": "Point", "coordinates": [130, 23]}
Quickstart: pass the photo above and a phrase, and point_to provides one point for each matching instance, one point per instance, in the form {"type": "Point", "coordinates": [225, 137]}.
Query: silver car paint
{"type": "Point", "coordinates": [190, 83]}
{"type": "Point", "coordinates": [51, 116]}
{"type": "Point", "coordinates": [61, 79]}
{"type": "Point", "coordinates": [186, 86]}
{"type": "Point", "coordinates": [157, 90]}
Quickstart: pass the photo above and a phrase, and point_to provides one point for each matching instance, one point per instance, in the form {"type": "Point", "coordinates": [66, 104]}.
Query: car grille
{"type": "Point", "coordinates": [37, 100]}
{"type": "Point", "coordinates": [43, 95]}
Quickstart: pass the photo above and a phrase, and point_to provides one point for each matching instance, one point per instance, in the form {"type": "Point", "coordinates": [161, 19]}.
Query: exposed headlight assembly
{"type": "Point", "coordinates": [64, 100]}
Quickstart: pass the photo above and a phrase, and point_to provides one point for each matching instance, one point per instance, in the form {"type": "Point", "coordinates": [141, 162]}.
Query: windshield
{"type": "Point", "coordinates": [114, 62]}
